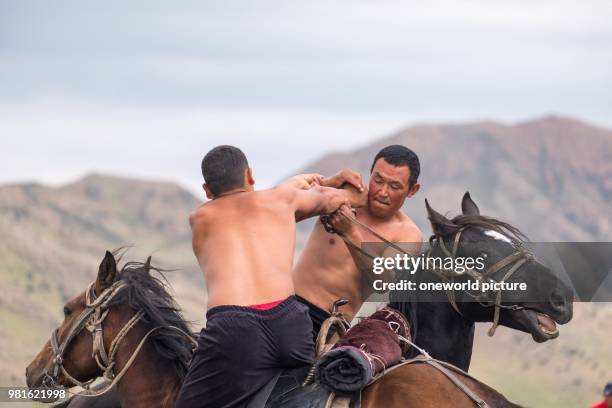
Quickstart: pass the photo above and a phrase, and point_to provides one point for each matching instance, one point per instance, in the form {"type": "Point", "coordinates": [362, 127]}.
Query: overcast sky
{"type": "Point", "coordinates": [146, 88]}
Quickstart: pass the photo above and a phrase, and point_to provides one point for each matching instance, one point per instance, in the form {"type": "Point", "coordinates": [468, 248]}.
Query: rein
{"type": "Point", "coordinates": [91, 318]}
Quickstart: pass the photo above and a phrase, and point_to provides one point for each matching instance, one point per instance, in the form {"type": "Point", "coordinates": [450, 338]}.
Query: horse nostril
{"type": "Point", "coordinates": [557, 300]}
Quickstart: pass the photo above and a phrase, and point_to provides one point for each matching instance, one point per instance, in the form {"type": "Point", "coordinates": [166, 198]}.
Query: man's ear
{"type": "Point", "coordinates": [209, 193]}
{"type": "Point", "coordinates": [440, 225]}
{"type": "Point", "coordinates": [106, 273]}
{"type": "Point", "coordinates": [468, 206]}
{"type": "Point", "coordinates": [248, 176]}
{"type": "Point", "coordinates": [413, 190]}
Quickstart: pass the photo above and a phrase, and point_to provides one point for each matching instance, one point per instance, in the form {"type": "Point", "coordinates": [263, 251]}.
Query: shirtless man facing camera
{"type": "Point", "coordinates": [327, 270]}
{"type": "Point", "coordinates": [244, 242]}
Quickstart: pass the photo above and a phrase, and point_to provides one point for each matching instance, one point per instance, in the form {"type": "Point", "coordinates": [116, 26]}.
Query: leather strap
{"type": "Point", "coordinates": [446, 369]}
{"type": "Point", "coordinates": [471, 394]}
{"type": "Point", "coordinates": [92, 318]}
{"type": "Point", "coordinates": [259, 400]}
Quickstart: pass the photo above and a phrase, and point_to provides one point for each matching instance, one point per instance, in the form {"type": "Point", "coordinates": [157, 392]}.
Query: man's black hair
{"type": "Point", "coordinates": [223, 169]}
{"type": "Point", "coordinates": [398, 156]}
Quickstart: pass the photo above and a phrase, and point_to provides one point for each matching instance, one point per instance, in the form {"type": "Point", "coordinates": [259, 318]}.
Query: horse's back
{"type": "Point", "coordinates": [422, 385]}
{"type": "Point", "coordinates": [109, 399]}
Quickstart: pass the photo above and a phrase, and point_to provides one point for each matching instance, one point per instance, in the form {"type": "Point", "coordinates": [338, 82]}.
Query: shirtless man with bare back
{"type": "Point", "coordinates": [244, 242]}
{"type": "Point", "coordinates": [327, 270]}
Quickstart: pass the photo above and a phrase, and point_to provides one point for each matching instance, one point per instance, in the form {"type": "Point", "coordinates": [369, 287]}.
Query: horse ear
{"type": "Point", "coordinates": [441, 225]}
{"type": "Point", "coordinates": [468, 206]}
{"type": "Point", "coordinates": [106, 273]}
{"type": "Point", "coordinates": [147, 265]}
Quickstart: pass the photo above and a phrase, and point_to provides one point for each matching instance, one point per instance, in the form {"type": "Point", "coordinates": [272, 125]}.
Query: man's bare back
{"type": "Point", "coordinates": [244, 241]}
{"type": "Point", "coordinates": [244, 244]}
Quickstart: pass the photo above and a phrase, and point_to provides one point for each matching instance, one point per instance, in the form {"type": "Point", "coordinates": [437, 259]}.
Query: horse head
{"type": "Point", "coordinates": [543, 301]}
{"type": "Point", "coordinates": [107, 324]}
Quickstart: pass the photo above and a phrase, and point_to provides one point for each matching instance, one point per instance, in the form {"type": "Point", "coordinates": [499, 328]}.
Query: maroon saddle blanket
{"type": "Point", "coordinates": [363, 352]}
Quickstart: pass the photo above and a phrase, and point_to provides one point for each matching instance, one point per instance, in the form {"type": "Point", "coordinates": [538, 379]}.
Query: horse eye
{"type": "Point", "coordinates": [67, 311]}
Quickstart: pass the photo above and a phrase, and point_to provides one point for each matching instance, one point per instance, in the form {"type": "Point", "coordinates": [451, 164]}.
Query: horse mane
{"type": "Point", "coordinates": [486, 222]}
{"type": "Point", "coordinates": [148, 293]}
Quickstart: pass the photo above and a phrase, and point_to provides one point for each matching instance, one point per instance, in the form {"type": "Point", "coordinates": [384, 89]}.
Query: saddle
{"type": "Point", "coordinates": [295, 388]}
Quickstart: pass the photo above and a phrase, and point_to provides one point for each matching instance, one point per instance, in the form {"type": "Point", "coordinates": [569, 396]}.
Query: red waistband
{"type": "Point", "coordinates": [266, 306]}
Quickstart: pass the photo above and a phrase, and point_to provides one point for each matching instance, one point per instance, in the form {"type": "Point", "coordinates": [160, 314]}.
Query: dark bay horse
{"type": "Point", "coordinates": [447, 334]}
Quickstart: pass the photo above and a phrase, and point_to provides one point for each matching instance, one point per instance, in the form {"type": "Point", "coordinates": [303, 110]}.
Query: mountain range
{"type": "Point", "coordinates": [551, 177]}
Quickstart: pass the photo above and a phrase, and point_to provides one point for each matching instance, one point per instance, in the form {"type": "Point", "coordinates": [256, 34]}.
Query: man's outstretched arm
{"type": "Point", "coordinates": [303, 181]}
{"type": "Point", "coordinates": [320, 200]}
{"type": "Point", "coordinates": [341, 179]}
{"type": "Point", "coordinates": [410, 240]}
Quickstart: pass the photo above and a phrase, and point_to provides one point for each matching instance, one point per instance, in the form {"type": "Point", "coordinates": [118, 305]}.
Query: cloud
{"type": "Point", "coordinates": [319, 55]}
{"type": "Point", "coordinates": [68, 140]}
{"type": "Point", "coordinates": [145, 86]}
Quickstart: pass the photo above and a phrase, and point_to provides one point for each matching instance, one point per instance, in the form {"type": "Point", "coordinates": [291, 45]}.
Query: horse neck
{"type": "Point", "coordinates": [441, 331]}
{"type": "Point", "coordinates": [151, 380]}
{"type": "Point", "coordinates": [445, 334]}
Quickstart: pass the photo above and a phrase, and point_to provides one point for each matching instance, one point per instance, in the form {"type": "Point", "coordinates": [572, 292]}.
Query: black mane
{"type": "Point", "coordinates": [483, 221]}
{"type": "Point", "coordinates": [148, 293]}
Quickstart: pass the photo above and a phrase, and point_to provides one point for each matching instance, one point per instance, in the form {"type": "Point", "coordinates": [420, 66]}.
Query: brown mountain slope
{"type": "Point", "coordinates": [54, 238]}
{"type": "Point", "coordinates": [552, 177]}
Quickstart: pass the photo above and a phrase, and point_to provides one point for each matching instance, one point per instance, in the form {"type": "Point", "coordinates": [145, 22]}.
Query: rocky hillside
{"type": "Point", "coordinates": [551, 177]}
{"type": "Point", "coordinates": [53, 239]}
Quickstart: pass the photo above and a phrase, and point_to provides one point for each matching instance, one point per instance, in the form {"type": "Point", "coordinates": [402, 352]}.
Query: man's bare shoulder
{"type": "Point", "coordinates": [200, 214]}
{"type": "Point", "coordinates": [408, 231]}
{"type": "Point", "coordinates": [282, 191]}
{"type": "Point", "coordinates": [279, 196]}
{"type": "Point", "coordinates": [249, 200]}
{"type": "Point", "coordinates": [286, 195]}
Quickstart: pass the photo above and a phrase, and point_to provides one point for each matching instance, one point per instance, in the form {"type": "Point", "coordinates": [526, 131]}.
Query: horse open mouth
{"type": "Point", "coordinates": [542, 326]}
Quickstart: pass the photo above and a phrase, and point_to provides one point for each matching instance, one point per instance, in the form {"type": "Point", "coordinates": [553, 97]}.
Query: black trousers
{"type": "Point", "coordinates": [241, 349]}
{"type": "Point", "coordinates": [317, 316]}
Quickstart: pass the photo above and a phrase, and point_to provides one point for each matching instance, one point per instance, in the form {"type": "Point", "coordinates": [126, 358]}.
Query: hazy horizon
{"type": "Point", "coordinates": [145, 89]}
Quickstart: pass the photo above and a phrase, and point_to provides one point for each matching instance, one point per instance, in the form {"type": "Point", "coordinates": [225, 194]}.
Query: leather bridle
{"type": "Point", "coordinates": [91, 318]}
{"type": "Point", "coordinates": [514, 262]}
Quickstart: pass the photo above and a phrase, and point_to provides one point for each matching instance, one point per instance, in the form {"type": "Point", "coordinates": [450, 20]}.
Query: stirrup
{"type": "Point", "coordinates": [332, 329]}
